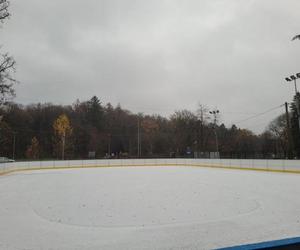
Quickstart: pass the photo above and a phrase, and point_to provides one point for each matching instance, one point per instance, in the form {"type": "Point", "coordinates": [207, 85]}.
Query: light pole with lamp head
{"type": "Point", "coordinates": [294, 78]}
{"type": "Point", "coordinates": [215, 113]}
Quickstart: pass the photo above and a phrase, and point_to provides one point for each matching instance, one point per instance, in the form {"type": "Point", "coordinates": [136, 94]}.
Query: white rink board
{"type": "Point", "coordinates": [276, 165]}
{"type": "Point", "coordinates": [146, 207]}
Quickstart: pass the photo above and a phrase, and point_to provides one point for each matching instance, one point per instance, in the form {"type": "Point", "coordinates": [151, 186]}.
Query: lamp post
{"type": "Point", "coordinates": [139, 137]}
{"type": "Point", "coordinates": [215, 113]}
{"type": "Point", "coordinates": [14, 145]}
{"type": "Point", "coordinates": [294, 78]}
{"type": "Point", "coordinates": [109, 144]}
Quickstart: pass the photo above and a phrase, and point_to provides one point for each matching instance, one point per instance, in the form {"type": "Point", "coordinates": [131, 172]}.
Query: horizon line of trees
{"type": "Point", "coordinates": [92, 129]}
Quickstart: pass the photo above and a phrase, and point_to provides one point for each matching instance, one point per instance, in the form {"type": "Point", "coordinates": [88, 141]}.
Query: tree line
{"type": "Point", "coordinates": [89, 129]}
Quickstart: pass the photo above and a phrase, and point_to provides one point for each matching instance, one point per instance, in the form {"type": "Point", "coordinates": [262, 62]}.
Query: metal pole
{"type": "Point", "coordinates": [217, 142]}
{"type": "Point", "coordinates": [140, 140]}
{"type": "Point", "coordinates": [295, 82]}
{"type": "Point", "coordinates": [109, 142]}
{"type": "Point", "coordinates": [63, 146]}
{"type": "Point", "coordinates": [290, 142]}
{"type": "Point", "coordinates": [214, 113]}
{"type": "Point", "coordinates": [138, 136]}
{"type": "Point", "coordinates": [14, 145]}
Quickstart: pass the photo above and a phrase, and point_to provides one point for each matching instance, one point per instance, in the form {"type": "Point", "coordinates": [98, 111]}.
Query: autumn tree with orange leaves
{"type": "Point", "coordinates": [62, 130]}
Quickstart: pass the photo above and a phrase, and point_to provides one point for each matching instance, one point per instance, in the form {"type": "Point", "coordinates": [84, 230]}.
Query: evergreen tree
{"type": "Point", "coordinates": [95, 112]}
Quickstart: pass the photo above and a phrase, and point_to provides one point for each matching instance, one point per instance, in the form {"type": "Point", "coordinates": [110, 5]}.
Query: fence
{"type": "Point", "coordinates": [250, 164]}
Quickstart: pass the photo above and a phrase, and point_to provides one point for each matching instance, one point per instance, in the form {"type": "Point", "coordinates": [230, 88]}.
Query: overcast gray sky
{"type": "Point", "coordinates": [157, 56]}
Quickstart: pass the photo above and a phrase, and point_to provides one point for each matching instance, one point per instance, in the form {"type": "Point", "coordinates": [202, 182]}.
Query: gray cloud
{"type": "Point", "coordinates": [157, 56]}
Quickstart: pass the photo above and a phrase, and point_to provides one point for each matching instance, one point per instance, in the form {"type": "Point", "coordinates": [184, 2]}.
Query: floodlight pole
{"type": "Point", "coordinates": [14, 145]}
{"type": "Point", "coordinates": [63, 146]}
{"type": "Point", "coordinates": [139, 141]}
{"type": "Point", "coordinates": [138, 137]}
{"type": "Point", "coordinates": [214, 113]}
{"type": "Point", "coordinates": [217, 142]}
{"type": "Point", "coordinates": [294, 78]}
{"type": "Point", "coordinates": [109, 144]}
{"type": "Point", "coordinates": [295, 82]}
{"type": "Point", "coordinates": [297, 101]}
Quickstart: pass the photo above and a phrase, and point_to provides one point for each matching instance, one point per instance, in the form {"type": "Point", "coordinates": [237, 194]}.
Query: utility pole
{"type": "Point", "coordinates": [138, 137]}
{"type": "Point", "coordinates": [197, 138]}
{"type": "Point", "coordinates": [295, 84]}
{"type": "Point", "coordinates": [63, 145]}
{"type": "Point", "coordinates": [1, 117]}
{"type": "Point", "coordinates": [215, 113]}
{"type": "Point", "coordinates": [201, 115]}
{"type": "Point", "coordinates": [139, 143]}
{"type": "Point", "coordinates": [290, 142]}
{"type": "Point", "coordinates": [109, 144]}
{"type": "Point", "coordinates": [14, 145]}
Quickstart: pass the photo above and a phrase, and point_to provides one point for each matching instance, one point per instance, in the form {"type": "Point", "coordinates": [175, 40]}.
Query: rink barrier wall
{"type": "Point", "coordinates": [284, 244]}
{"type": "Point", "coordinates": [287, 166]}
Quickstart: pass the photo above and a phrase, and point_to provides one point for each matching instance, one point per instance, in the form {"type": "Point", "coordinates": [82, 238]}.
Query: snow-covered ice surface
{"type": "Point", "coordinates": [146, 208]}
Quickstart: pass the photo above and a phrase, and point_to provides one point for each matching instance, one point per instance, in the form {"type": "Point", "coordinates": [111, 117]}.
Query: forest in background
{"type": "Point", "coordinates": [90, 129]}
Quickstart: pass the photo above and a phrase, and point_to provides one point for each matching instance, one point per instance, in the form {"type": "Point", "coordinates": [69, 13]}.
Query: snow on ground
{"type": "Point", "coordinates": [146, 208]}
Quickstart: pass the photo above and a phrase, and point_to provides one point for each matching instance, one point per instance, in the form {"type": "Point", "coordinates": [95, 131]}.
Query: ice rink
{"type": "Point", "coordinates": [146, 208]}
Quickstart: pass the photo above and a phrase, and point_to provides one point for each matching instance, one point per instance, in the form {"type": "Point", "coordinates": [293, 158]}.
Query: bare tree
{"type": "Point", "coordinates": [203, 113]}
{"type": "Point", "coordinates": [7, 63]}
{"type": "Point", "coordinates": [4, 10]}
{"type": "Point", "coordinates": [296, 37]}
{"type": "Point", "coordinates": [278, 129]}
